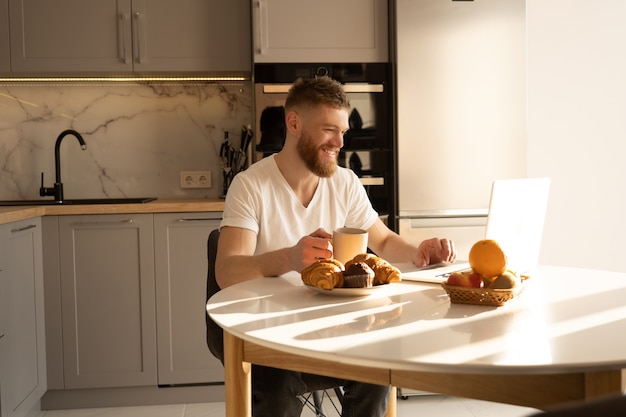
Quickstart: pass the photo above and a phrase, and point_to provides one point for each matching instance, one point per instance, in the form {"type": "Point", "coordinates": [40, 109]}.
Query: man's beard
{"type": "Point", "coordinates": [309, 153]}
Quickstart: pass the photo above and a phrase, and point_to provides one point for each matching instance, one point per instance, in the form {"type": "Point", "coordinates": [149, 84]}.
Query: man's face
{"type": "Point", "coordinates": [322, 138]}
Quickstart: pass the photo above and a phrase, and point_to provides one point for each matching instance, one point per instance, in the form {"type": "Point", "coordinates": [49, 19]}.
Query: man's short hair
{"type": "Point", "coordinates": [309, 92]}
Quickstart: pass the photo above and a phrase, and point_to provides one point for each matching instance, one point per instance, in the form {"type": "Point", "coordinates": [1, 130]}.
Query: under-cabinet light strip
{"type": "Point", "coordinates": [117, 79]}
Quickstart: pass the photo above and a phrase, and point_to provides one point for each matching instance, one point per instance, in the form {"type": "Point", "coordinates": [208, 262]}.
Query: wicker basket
{"type": "Point", "coordinates": [481, 296]}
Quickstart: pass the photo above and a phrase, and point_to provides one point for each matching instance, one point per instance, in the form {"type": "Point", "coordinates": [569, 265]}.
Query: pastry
{"type": "Point", "coordinates": [324, 273]}
{"type": "Point", "coordinates": [383, 270]}
{"type": "Point", "coordinates": [358, 275]}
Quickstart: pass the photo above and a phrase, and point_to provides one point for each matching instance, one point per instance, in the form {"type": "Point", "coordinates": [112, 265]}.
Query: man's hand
{"type": "Point", "coordinates": [433, 251]}
{"type": "Point", "coordinates": [310, 248]}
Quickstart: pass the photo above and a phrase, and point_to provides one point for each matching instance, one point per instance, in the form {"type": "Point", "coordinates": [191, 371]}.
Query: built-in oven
{"type": "Point", "coordinates": [369, 145]}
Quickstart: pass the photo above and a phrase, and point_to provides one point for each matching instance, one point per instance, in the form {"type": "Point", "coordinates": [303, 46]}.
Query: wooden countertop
{"type": "Point", "coordinates": [161, 205]}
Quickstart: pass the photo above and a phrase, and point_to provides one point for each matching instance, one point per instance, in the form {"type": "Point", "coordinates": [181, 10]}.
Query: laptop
{"type": "Point", "coordinates": [517, 210]}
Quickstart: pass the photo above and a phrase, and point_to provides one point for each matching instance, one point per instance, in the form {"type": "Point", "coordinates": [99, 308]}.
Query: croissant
{"type": "Point", "coordinates": [324, 273]}
{"type": "Point", "coordinates": [383, 270]}
{"type": "Point", "coordinates": [386, 273]}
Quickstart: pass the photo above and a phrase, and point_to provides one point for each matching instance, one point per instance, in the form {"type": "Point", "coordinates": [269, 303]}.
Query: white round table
{"type": "Point", "coordinates": [560, 340]}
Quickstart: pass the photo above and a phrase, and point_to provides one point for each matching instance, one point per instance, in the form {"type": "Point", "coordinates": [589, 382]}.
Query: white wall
{"type": "Point", "coordinates": [577, 127]}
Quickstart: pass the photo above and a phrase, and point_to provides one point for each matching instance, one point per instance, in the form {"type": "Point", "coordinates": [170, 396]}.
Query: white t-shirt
{"type": "Point", "coordinates": [260, 199]}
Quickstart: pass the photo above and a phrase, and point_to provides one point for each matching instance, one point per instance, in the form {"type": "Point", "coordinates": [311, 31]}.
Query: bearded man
{"type": "Point", "coordinates": [278, 217]}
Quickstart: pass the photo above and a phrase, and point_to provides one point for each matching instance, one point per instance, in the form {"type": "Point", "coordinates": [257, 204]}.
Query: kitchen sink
{"type": "Point", "coordinates": [78, 201]}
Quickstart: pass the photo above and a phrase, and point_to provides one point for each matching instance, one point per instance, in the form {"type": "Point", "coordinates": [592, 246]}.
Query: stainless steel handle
{"type": "Point", "coordinates": [139, 57]}
{"type": "Point", "coordinates": [363, 88]}
{"type": "Point", "coordinates": [199, 219]}
{"type": "Point", "coordinates": [122, 38]}
{"type": "Point", "coordinates": [21, 229]}
{"type": "Point", "coordinates": [261, 35]}
{"type": "Point", "coordinates": [123, 221]}
{"type": "Point", "coordinates": [438, 214]}
{"type": "Point", "coordinates": [428, 223]}
{"type": "Point", "coordinates": [348, 88]}
{"type": "Point", "coordinates": [445, 218]}
{"type": "Point", "coordinates": [372, 180]}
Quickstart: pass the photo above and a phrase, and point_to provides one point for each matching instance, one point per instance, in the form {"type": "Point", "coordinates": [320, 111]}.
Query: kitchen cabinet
{"type": "Point", "coordinates": [3, 412]}
{"type": "Point", "coordinates": [22, 348]}
{"type": "Point", "coordinates": [107, 300]}
{"type": "Point", "coordinates": [125, 297]}
{"type": "Point", "coordinates": [5, 62]}
{"type": "Point", "coordinates": [2, 268]}
{"type": "Point", "coordinates": [125, 36]}
{"type": "Point", "coordinates": [329, 31]}
{"type": "Point", "coordinates": [180, 243]}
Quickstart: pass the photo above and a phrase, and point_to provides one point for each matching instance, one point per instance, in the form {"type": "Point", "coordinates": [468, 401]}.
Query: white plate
{"type": "Point", "coordinates": [347, 292]}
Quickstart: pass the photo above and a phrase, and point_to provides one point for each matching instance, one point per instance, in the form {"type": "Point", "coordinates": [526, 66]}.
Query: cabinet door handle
{"type": "Point", "coordinates": [199, 219]}
{"type": "Point", "coordinates": [21, 229]}
{"type": "Point", "coordinates": [104, 222]}
{"type": "Point", "coordinates": [138, 37]}
{"type": "Point", "coordinates": [261, 32]}
{"type": "Point", "coordinates": [121, 36]}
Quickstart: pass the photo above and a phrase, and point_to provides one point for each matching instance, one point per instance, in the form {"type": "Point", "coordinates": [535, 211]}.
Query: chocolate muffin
{"type": "Point", "coordinates": [358, 275]}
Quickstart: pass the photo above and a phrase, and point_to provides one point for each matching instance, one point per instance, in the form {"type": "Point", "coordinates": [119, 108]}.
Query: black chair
{"type": "Point", "coordinates": [214, 333]}
{"type": "Point", "coordinates": [215, 339]}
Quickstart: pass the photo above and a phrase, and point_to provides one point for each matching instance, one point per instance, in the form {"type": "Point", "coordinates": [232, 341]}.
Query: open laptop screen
{"type": "Point", "coordinates": [517, 209]}
{"type": "Point", "coordinates": [517, 212]}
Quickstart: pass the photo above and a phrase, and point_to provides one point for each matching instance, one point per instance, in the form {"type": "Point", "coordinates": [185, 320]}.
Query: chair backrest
{"type": "Point", "coordinates": [214, 333]}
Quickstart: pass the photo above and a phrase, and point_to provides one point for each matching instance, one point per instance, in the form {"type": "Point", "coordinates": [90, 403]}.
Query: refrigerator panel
{"type": "Point", "coordinates": [464, 231]}
{"type": "Point", "coordinates": [461, 100]}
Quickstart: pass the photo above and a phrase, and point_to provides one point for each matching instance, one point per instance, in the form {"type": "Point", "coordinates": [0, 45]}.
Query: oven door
{"type": "Point", "coordinates": [368, 121]}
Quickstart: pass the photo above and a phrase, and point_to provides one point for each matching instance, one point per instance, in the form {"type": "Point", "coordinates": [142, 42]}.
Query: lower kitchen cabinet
{"type": "Point", "coordinates": [180, 243]}
{"type": "Point", "coordinates": [3, 411]}
{"type": "Point", "coordinates": [107, 300]}
{"type": "Point", "coordinates": [125, 309]}
{"type": "Point", "coordinates": [22, 347]}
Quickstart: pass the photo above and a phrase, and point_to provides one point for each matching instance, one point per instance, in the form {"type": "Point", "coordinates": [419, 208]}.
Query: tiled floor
{"type": "Point", "coordinates": [422, 406]}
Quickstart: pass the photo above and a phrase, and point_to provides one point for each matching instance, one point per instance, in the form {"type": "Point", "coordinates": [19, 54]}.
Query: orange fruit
{"type": "Point", "coordinates": [487, 258]}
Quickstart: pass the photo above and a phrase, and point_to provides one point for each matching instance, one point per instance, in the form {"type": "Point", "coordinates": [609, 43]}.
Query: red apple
{"type": "Point", "coordinates": [465, 279]}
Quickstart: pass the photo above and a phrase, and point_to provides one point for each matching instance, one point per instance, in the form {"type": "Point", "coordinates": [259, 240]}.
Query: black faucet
{"type": "Point", "coordinates": [57, 190]}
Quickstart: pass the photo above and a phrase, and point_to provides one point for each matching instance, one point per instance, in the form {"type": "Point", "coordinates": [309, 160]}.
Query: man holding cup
{"type": "Point", "coordinates": [280, 215]}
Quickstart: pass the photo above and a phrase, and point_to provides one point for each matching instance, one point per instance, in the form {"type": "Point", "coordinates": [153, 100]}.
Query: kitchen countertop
{"type": "Point", "coordinates": [160, 205]}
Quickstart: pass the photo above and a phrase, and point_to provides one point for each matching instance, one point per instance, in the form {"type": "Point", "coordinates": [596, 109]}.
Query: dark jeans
{"type": "Point", "coordinates": [275, 391]}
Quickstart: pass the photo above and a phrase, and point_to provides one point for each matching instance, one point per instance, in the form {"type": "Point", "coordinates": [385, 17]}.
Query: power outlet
{"type": "Point", "coordinates": [195, 179]}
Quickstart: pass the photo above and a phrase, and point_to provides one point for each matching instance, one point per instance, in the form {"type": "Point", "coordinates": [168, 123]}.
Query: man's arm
{"type": "Point", "coordinates": [236, 261]}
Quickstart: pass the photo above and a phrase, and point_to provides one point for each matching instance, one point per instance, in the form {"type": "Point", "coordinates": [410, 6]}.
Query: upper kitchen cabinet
{"type": "Point", "coordinates": [5, 60]}
{"type": "Point", "coordinates": [328, 31]}
{"type": "Point", "coordinates": [122, 36]}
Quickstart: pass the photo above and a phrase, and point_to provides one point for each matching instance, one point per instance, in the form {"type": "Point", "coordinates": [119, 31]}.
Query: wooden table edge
{"type": "Point", "coordinates": [538, 390]}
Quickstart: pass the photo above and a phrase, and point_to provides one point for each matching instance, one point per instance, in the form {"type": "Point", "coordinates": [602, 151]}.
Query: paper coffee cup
{"type": "Point", "coordinates": [349, 242]}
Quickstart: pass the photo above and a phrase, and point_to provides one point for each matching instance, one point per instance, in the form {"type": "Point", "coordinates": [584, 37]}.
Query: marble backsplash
{"type": "Point", "coordinates": [139, 137]}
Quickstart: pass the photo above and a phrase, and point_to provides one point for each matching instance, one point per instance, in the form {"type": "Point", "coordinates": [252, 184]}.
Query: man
{"type": "Point", "coordinates": [279, 216]}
